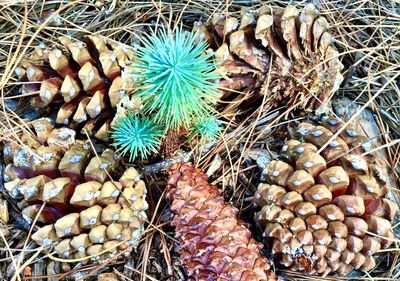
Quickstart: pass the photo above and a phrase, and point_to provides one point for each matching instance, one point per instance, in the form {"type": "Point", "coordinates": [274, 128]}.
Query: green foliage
{"type": "Point", "coordinates": [176, 78]}
{"type": "Point", "coordinates": [208, 128]}
{"type": "Point", "coordinates": [136, 135]}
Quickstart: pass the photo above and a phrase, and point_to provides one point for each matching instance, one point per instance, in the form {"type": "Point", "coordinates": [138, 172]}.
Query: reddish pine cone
{"type": "Point", "coordinates": [321, 212]}
{"type": "Point", "coordinates": [305, 69]}
{"type": "Point", "coordinates": [214, 244]}
{"type": "Point", "coordinates": [80, 80]}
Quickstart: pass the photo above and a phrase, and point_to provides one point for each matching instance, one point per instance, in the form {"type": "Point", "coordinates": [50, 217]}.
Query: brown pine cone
{"type": "Point", "coordinates": [86, 213]}
{"type": "Point", "coordinates": [214, 244]}
{"type": "Point", "coordinates": [325, 208]}
{"type": "Point", "coordinates": [305, 70]}
{"type": "Point", "coordinates": [81, 81]}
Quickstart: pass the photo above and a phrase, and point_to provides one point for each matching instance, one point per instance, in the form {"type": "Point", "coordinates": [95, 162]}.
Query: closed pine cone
{"type": "Point", "coordinates": [86, 213]}
{"type": "Point", "coordinates": [318, 207]}
{"type": "Point", "coordinates": [305, 70]}
{"type": "Point", "coordinates": [214, 244]}
{"type": "Point", "coordinates": [81, 81]}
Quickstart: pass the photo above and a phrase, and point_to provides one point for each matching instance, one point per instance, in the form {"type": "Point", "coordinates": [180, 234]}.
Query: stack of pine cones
{"type": "Point", "coordinates": [323, 209]}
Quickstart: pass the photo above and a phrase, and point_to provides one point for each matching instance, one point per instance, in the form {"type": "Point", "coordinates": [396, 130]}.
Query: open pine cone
{"type": "Point", "coordinates": [80, 81]}
{"type": "Point", "coordinates": [305, 70]}
{"type": "Point", "coordinates": [214, 244]}
{"type": "Point", "coordinates": [325, 207]}
{"type": "Point", "coordinates": [86, 213]}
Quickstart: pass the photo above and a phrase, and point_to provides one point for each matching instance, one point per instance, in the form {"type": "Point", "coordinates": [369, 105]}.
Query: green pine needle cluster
{"type": "Point", "coordinates": [136, 135]}
{"type": "Point", "coordinates": [208, 128]}
{"type": "Point", "coordinates": [177, 87]}
{"type": "Point", "coordinates": [176, 78]}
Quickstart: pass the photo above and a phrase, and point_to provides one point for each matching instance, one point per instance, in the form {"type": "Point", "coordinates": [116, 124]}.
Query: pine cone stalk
{"type": "Point", "coordinates": [214, 244]}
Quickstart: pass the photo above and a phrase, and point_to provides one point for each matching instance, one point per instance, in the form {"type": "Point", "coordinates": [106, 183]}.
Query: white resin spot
{"type": "Point", "coordinates": [113, 57]}
{"type": "Point", "coordinates": [66, 254]}
{"type": "Point", "coordinates": [76, 159]}
{"type": "Point", "coordinates": [357, 232]}
{"type": "Point", "coordinates": [350, 209]}
{"type": "Point", "coordinates": [333, 179]}
{"type": "Point", "coordinates": [297, 182]}
{"type": "Point", "coordinates": [300, 149]}
{"type": "Point", "coordinates": [275, 173]}
{"type": "Point", "coordinates": [317, 133]}
{"type": "Point", "coordinates": [315, 226]}
{"type": "Point", "coordinates": [103, 166]}
{"type": "Point", "coordinates": [81, 249]}
{"type": "Point", "coordinates": [46, 242]}
{"type": "Point", "coordinates": [134, 197]}
{"type": "Point", "coordinates": [30, 72]}
{"type": "Point", "coordinates": [58, 53]}
{"type": "Point", "coordinates": [301, 212]}
{"type": "Point", "coordinates": [18, 71]}
{"type": "Point", "coordinates": [115, 193]}
{"type": "Point", "coordinates": [316, 196]}
{"type": "Point", "coordinates": [284, 148]}
{"type": "Point", "coordinates": [334, 144]}
{"type": "Point", "coordinates": [88, 196]}
{"type": "Point", "coordinates": [72, 91]}
{"type": "Point", "coordinates": [90, 75]}
{"type": "Point", "coordinates": [67, 230]}
{"type": "Point", "coordinates": [101, 240]}
{"type": "Point", "coordinates": [308, 164]}
{"type": "Point", "coordinates": [356, 165]}
{"type": "Point", "coordinates": [96, 194]}
{"type": "Point", "coordinates": [369, 188]}
{"type": "Point", "coordinates": [118, 236]}
{"type": "Point", "coordinates": [92, 221]}
{"type": "Point", "coordinates": [331, 217]}
{"type": "Point", "coordinates": [115, 217]}
{"type": "Point", "coordinates": [47, 94]}
{"type": "Point", "coordinates": [351, 133]}
{"type": "Point", "coordinates": [258, 196]}
{"type": "Point", "coordinates": [287, 202]}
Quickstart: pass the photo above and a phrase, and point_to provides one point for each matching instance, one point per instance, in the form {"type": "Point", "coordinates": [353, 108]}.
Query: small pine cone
{"type": "Point", "coordinates": [325, 212]}
{"type": "Point", "coordinates": [305, 70]}
{"type": "Point", "coordinates": [104, 220]}
{"type": "Point", "coordinates": [214, 244]}
{"type": "Point", "coordinates": [81, 81]}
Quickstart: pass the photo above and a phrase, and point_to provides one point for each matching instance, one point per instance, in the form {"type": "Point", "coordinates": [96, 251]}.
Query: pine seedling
{"type": "Point", "coordinates": [136, 135]}
{"type": "Point", "coordinates": [176, 78]}
{"type": "Point", "coordinates": [207, 128]}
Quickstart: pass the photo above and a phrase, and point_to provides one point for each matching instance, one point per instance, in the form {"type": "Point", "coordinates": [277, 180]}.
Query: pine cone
{"type": "Point", "coordinates": [305, 70]}
{"type": "Point", "coordinates": [86, 213]}
{"type": "Point", "coordinates": [321, 212]}
{"type": "Point", "coordinates": [214, 244]}
{"type": "Point", "coordinates": [81, 81]}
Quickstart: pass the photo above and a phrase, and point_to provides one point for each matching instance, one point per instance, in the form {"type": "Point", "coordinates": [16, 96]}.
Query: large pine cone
{"type": "Point", "coordinates": [86, 213]}
{"type": "Point", "coordinates": [81, 81]}
{"type": "Point", "coordinates": [305, 69]}
{"type": "Point", "coordinates": [214, 244]}
{"type": "Point", "coordinates": [324, 208]}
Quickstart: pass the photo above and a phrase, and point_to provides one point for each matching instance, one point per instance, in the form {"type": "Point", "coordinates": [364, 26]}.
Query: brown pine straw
{"type": "Point", "coordinates": [368, 37]}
